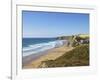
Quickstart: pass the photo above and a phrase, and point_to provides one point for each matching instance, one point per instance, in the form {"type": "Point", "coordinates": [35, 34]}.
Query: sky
{"type": "Point", "coordinates": [54, 24]}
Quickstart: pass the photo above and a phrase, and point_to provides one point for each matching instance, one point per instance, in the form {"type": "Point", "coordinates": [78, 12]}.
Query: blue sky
{"type": "Point", "coordinates": [53, 24]}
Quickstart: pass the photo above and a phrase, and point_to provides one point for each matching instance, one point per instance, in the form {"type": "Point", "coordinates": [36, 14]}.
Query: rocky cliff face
{"type": "Point", "coordinates": [43, 65]}
{"type": "Point", "coordinates": [76, 40]}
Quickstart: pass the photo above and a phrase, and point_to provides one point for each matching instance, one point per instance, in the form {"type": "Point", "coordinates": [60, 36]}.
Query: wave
{"type": "Point", "coordinates": [33, 49]}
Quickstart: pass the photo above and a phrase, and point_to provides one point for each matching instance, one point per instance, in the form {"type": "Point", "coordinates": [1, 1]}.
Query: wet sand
{"type": "Point", "coordinates": [34, 60]}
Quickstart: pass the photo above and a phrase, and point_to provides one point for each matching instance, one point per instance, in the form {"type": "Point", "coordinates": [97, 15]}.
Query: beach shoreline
{"type": "Point", "coordinates": [34, 60]}
{"type": "Point", "coordinates": [28, 59]}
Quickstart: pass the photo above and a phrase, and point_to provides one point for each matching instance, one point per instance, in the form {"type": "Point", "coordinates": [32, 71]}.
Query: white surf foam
{"type": "Point", "coordinates": [34, 49]}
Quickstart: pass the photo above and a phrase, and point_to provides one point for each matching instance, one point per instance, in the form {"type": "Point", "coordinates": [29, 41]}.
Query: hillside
{"type": "Point", "coordinates": [79, 56]}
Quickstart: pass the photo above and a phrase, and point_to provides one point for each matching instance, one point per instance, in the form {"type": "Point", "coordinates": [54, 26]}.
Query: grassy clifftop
{"type": "Point", "coordinates": [83, 36]}
{"type": "Point", "coordinates": [79, 56]}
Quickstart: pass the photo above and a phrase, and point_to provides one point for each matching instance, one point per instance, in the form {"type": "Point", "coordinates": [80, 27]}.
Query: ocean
{"type": "Point", "coordinates": [37, 45]}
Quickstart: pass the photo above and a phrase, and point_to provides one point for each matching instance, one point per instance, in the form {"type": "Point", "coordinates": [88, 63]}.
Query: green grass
{"type": "Point", "coordinates": [79, 56]}
{"type": "Point", "coordinates": [84, 35]}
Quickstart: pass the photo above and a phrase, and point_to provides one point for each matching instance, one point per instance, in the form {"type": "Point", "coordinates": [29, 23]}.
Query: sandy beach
{"type": "Point", "coordinates": [33, 61]}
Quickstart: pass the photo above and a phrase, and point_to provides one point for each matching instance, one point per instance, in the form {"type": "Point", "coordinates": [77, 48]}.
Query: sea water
{"type": "Point", "coordinates": [37, 45]}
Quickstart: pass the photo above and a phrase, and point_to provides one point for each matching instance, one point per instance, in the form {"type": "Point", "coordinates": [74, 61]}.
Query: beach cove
{"type": "Point", "coordinates": [48, 55]}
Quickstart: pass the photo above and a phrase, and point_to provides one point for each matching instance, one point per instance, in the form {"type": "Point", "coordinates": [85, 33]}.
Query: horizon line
{"type": "Point", "coordinates": [55, 36]}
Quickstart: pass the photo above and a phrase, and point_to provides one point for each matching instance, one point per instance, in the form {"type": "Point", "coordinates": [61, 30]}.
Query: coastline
{"type": "Point", "coordinates": [34, 60]}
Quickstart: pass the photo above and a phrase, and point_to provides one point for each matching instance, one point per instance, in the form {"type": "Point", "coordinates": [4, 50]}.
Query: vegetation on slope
{"type": "Point", "coordinates": [79, 56]}
{"type": "Point", "coordinates": [84, 35]}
